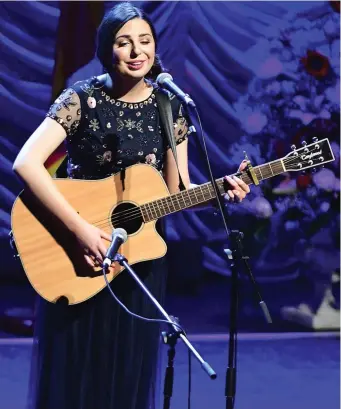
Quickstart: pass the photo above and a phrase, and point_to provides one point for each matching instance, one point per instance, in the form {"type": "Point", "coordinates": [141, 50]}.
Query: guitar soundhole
{"type": "Point", "coordinates": [128, 216]}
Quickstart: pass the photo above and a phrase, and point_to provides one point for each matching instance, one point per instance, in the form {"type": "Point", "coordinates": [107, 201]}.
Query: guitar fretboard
{"type": "Point", "coordinates": [203, 193]}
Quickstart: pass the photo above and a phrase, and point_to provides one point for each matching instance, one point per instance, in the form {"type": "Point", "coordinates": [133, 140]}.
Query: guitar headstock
{"type": "Point", "coordinates": [309, 156]}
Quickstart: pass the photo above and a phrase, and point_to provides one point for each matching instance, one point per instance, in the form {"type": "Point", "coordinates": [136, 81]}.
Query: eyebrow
{"type": "Point", "coordinates": [128, 36]}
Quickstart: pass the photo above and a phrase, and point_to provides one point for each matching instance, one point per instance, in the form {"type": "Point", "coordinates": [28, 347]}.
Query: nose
{"type": "Point", "coordinates": [136, 49]}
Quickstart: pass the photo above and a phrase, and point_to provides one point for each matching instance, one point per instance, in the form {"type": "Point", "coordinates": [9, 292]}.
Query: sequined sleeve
{"type": "Point", "coordinates": [182, 127]}
{"type": "Point", "coordinates": [66, 110]}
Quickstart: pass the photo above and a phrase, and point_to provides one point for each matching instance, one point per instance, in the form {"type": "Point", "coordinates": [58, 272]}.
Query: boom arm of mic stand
{"type": "Point", "coordinates": [205, 365]}
{"type": "Point", "coordinates": [237, 236]}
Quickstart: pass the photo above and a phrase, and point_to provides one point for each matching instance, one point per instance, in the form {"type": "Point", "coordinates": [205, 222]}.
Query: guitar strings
{"type": "Point", "coordinates": [137, 212]}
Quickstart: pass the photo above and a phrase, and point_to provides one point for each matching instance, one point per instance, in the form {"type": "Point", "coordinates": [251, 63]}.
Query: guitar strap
{"type": "Point", "coordinates": [166, 115]}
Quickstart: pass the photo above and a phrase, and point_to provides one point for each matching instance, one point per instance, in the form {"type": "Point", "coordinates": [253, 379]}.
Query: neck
{"type": "Point", "coordinates": [203, 193]}
{"type": "Point", "coordinates": [127, 89]}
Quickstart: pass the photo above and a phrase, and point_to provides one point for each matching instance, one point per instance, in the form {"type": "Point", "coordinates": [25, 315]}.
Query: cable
{"type": "Point", "coordinates": [140, 317]}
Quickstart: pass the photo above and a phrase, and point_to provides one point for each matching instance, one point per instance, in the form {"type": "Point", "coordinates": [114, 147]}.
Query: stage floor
{"type": "Point", "coordinates": [275, 371]}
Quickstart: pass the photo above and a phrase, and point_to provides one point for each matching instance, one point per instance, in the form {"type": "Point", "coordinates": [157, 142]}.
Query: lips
{"type": "Point", "coordinates": [135, 65]}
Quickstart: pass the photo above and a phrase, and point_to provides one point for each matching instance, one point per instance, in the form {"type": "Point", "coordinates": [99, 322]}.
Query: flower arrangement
{"type": "Point", "coordinates": [294, 96]}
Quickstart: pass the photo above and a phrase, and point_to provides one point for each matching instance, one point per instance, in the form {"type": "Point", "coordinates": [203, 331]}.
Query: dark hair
{"type": "Point", "coordinates": [112, 22]}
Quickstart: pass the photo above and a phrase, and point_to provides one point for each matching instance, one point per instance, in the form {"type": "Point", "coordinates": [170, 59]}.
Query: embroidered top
{"type": "Point", "coordinates": [107, 136]}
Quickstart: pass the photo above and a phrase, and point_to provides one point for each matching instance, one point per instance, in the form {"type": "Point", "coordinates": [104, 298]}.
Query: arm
{"type": "Point", "coordinates": [238, 187]}
{"type": "Point", "coordinates": [29, 165]}
{"type": "Point", "coordinates": [171, 171]}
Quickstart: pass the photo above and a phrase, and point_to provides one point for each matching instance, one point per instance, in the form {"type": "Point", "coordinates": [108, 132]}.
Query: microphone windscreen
{"type": "Point", "coordinates": [162, 77]}
{"type": "Point", "coordinates": [122, 233]}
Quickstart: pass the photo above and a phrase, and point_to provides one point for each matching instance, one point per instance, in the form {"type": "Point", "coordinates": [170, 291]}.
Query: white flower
{"type": "Point", "coordinates": [270, 68]}
{"type": "Point", "coordinates": [261, 207]}
{"type": "Point", "coordinates": [274, 88]}
{"type": "Point", "coordinates": [325, 206]}
{"type": "Point", "coordinates": [310, 109]}
{"type": "Point", "coordinates": [333, 93]}
{"type": "Point", "coordinates": [236, 152]}
{"type": "Point", "coordinates": [291, 225]}
{"type": "Point", "coordinates": [307, 117]}
{"type": "Point", "coordinates": [255, 122]}
{"type": "Point", "coordinates": [325, 180]}
{"type": "Point", "coordinates": [331, 28]}
{"type": "Point", "coordinates": [299, 41]}
{"type": "Point", "coordinates": [288, 87]}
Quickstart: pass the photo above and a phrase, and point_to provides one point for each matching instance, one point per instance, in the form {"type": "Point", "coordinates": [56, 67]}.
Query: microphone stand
{"type": "Point", "coordinates": [237, 256]}
{"type": "Point", "coordinates": [169, 337]}
{"type": "Point", "coordinates": [235, 238]}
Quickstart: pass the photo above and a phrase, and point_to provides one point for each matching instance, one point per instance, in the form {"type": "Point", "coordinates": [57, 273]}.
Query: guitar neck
{"type": "Point", "coordinates": [203, 193]}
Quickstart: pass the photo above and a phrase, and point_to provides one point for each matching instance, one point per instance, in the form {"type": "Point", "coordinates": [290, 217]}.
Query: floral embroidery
{"type": "Point", "coordinates": [107, 112]}
{"type": "Point", "coordinates": [180, 129]}
{"type": "Point", "coordinates": [128, 152]}
{"type": "Point", "coordinates": [65, 102]}
{"type": "Point", "coordinates": [120, 134]}
{"type": "Point", "coordinates": [88, 89]}
{"type": "Point", "coordinates": [105, 158]}
{"type": "Point", "coordinates": [128, 123]}
{"type": "Point", "coordinates": [143, 140]}
{"type": "Point", "coordinates": [151, 115]}
{"type": "Point", "coordinates": [120, 124]}
{"type": "Point", "coordinates": [150, 159]}
{"type": "Point", "coordinates": [94, 124]}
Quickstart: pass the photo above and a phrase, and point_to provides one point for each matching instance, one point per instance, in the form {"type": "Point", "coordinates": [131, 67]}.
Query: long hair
{"type": "Point", "coordinates": [112, 22]}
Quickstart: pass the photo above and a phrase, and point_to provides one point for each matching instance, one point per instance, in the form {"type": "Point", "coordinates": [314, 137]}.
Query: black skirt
{"type": "Point", "coordinates": [94, 355]}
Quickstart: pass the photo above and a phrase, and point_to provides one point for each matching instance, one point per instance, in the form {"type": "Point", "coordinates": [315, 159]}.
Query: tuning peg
{"type": "Point", "coordinates": [304, 143]}
{"type": "Point", "coordinates": [293, 147]}
{"type": "Point", "coordinates": [315, 139]}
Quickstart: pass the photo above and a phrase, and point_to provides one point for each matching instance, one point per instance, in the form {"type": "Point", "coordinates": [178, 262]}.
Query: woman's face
{"type": "Point", "coordinates": [134, 49]}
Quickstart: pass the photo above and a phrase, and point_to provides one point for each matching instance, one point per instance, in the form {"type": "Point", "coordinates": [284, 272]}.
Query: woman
{"type": "Point", "coordinates": [93, 355]}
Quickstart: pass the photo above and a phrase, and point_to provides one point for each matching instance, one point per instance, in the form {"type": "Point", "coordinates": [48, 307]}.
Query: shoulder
{"type": "Point", "coordinates": [86, 86]}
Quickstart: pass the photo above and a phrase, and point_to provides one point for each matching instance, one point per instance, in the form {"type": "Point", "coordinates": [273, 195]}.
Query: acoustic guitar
{"type": "Point", "coordinates": [52, 257]}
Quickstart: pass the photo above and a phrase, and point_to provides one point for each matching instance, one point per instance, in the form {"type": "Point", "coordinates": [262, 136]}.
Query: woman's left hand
{"type": "Point", "coordinates": [239, 189]}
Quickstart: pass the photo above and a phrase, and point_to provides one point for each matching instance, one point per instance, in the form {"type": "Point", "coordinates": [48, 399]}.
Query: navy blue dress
{"type": "Point", "coordinates": [94, 355]}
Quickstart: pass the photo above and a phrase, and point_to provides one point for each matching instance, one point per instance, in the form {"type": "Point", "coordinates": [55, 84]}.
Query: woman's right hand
{"type": "Point", "coordinates": [91, 238]}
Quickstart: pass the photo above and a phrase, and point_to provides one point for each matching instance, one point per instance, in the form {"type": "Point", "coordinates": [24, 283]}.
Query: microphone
{"type": "Point", "coordinates": [165, 80]}
{"type": "Point", "coordinates": [119, 236]}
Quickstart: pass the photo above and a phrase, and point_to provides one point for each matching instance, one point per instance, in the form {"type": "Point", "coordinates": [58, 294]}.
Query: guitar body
{"type": "Point", "coordinates": [50, 254]}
